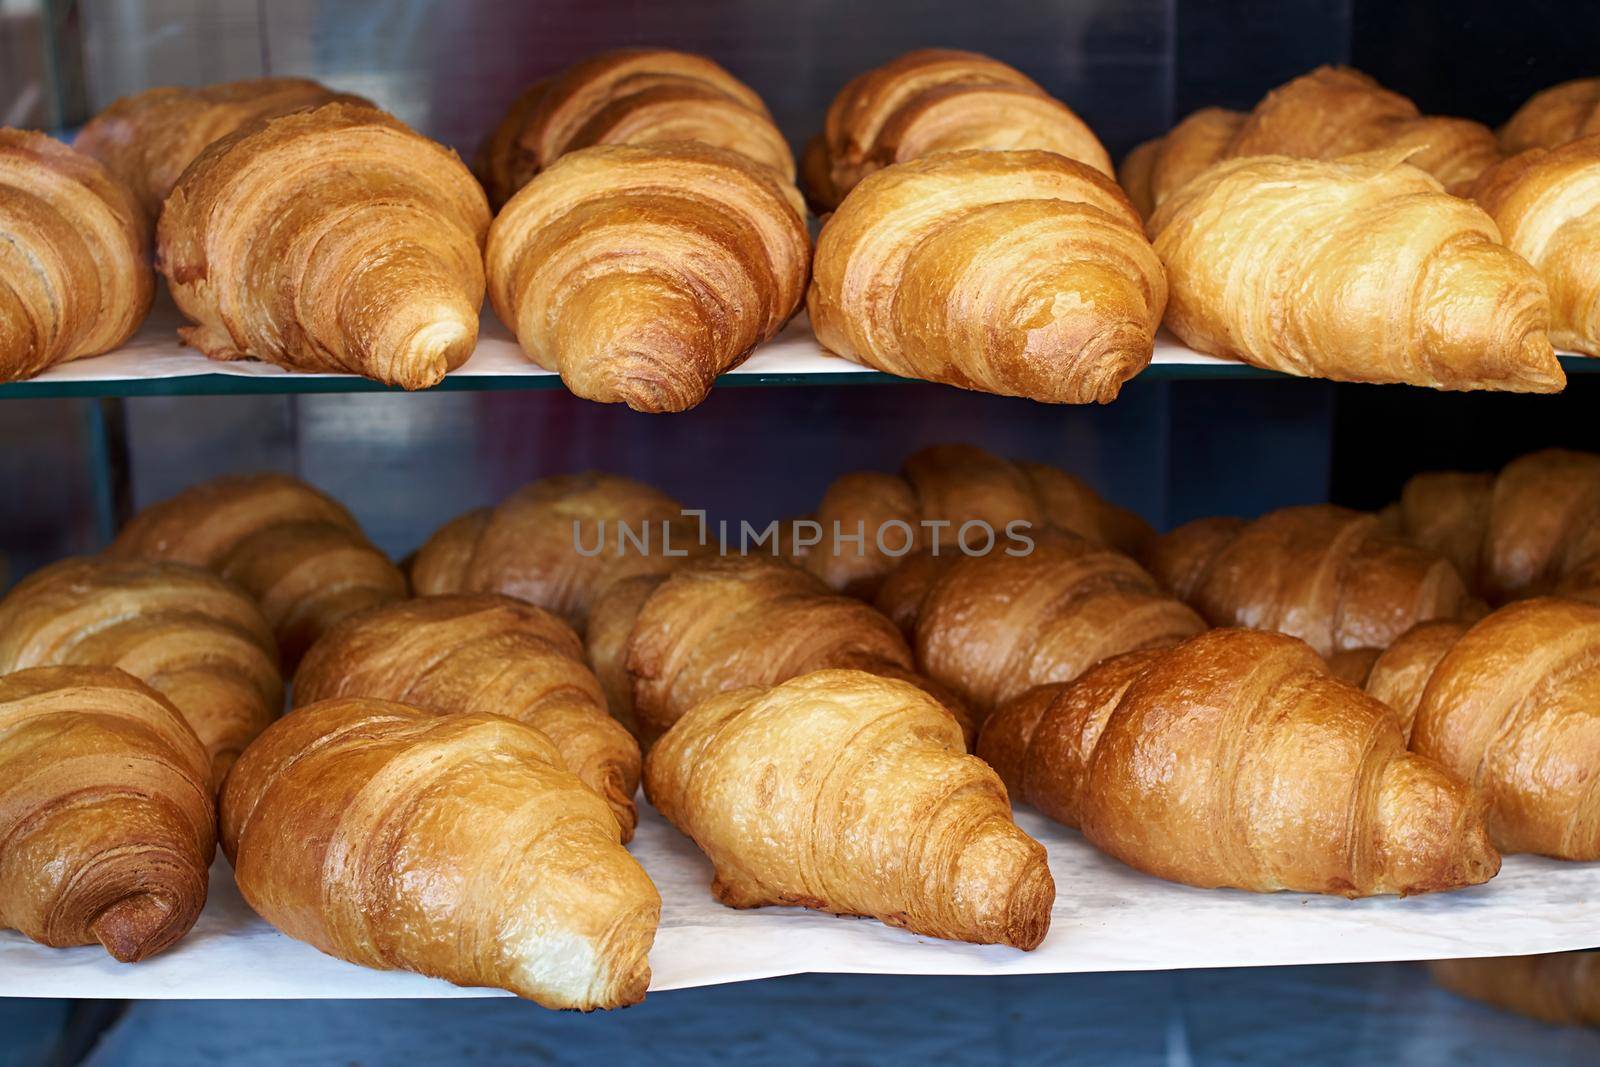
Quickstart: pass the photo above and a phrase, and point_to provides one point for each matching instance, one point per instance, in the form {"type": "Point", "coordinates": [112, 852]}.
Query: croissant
{"type": "Point", "coordinates": [1235, 760]}
{"type": "Point", "coordinates": [559, 543]}
{"type": "Point", "coordinates": [939, 100]}
{"type": "Point", "coordinates": [297, 552]}
{"type": "Point", "coordinates": [1361, 269]}
{"type": "Point", "coordinates": [1552, 117]}
{"type": "Point", "coordinates": [149, 138]}
{"type": "Point", "coordinates": [641, 273]}
{"type": "Point", "coordinates": [191, 636]}
{"type": "Point", "coordinates": [994, 626]}
{"type": "Point", "coordinates": [1157, 168]}
{"type": "Point", "coordinates": [1561, 988]}
{"type": "Point", "coordinates": [1019, 273]}
{"type": "Point", "coordinates": [454, 846]}
{"type": "Point", "coordinates": [454, 654]}
{"type": "Point", "coordinates": [869, 520]}
{"type": "Point", "coordinates": [1508, 704]}
{"type": "Point", "coordinates": [107, 825]}
{"type": "Point", "coordinates": [333, 240]}
{"type": "Point", "coordinates": [1327, 575]}
{"type": "Point", "coordinates": [72, 252]}
{"type": "Point", "coordinates": [852, 794]}
{"type": "Point", "coordinates": [1547, 204]}
{"type": "Point", "coordinates": [629, 96]}
{"type": "Point", "coordinates": [1533, 528]}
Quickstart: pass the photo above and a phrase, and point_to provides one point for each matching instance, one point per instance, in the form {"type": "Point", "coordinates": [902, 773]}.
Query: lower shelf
{"type": "Point", "coordinates": [1106, 918]}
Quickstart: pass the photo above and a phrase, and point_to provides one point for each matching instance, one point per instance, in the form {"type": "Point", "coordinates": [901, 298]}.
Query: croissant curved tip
{"type": "Point", "coordinates": [442, 343]}
{"type": "Point", "coordinates": [140, 926]}
{"type": "Point", "coordinates": [1003, 876]}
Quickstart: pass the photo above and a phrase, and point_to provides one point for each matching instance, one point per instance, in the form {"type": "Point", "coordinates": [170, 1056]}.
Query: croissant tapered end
{"type": "Point", "coordinates": [1401, 672]}
{"type": "Point", "coordinates": [1179, 559]}
{"type": "Point", "coordinates": [1003, 742]}
{"type": "Point", "coordinates": [372, 263]}
{"type": "Point", "coordinates": [1430, 832]}
{"type": "Point", "coordinates": [641, 273]}
{"type": "Point", "coordinates": [1134, 175]}
{"type": "Point", "coordinates": [1156, 169]}
{"type": "Point", "coordinates": [1554, 116]}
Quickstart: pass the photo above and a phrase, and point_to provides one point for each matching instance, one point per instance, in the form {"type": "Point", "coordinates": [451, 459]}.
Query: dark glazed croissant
{"type": "Point", "coordinates": [1552, 117]}
{"type": "Point", "coordinates": [938, 100]}
{"type": "Point", "coordinates": [107, 824]}
{"type": "Point", "coordinates": [1235, 759]}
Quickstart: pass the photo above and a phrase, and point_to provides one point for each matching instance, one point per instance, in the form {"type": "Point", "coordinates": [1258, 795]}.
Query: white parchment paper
{"type": "Point", "coordinates": [1106, 918]}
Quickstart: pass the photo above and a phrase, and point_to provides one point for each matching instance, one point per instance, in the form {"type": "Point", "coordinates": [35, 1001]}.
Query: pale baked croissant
{"type": "Point", "coordinates": [559, 543]}
{"type": "Point", "coordinates": [107, 824]}
{"type": "Point", "coordinates": [994, 626]}
{"type": "Point", "coordinates": [938, 100]}
{"type": "Point", "coordinates": [1157, 168]}
{"type": "Point", "coordinates": [1327, 575]}
{"type": "Point", "coordinates": [454, 846]}
{"type": "Point", "coordinates": [194, 638]}
{"type": "Point", "coordinates": [1561, 987]}
{"type": "Point", "coordinates": [1509, 704]}
{"type": "Point", "coordinates": [1547, 205]}
{"type": "Point", "coordinates": [869, 520]}
{"type": "Point", "coordinates": [1236, 760]}
{"type": "Point", "coordinates": [1360, 269]}
{"type": "Point", "coordinates": [298, 552]}
{"type": "Point", "coordinates": [1019, 273]}
{"type": "Point", "coordinates": [662, 644]}
{"type": "Point", "coordinates": [1552, 117]}
{"type": "Point", "coordinates": [629, 96]}
{"type": "Point", "coordinates": [72, 252]}
{"type": "Point", "coordinates": [1532, 528]}
{"type": "Point", "coordinates": [454, 654]}
{"type": "Point", "coordinates": [334, 240]}
{"type": "Point", "coordinates": [852, 794]}
{"type": "Point", "coordinates": [149, 138]}
{"type": "Point", "coordinates": [641, 273]}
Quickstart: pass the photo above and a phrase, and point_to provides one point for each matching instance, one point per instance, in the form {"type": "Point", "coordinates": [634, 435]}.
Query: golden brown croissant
{"type": "Point", "coordinates": [149, 138]}
{"type": "Point", "coordinates": [559, 543]}
{"type": "Point", "coordinates": [852, 794]}
{"type": "Point", "coordinates": [72, 252]}
{"type": "Point", "coordinates": [334, 240]}
{"type": "Point", "coordinates": [641, 273]}
{"type": "Point", "coordinates": [1547, 205]}
{"type": "Point", "coordinates": [454, 846]}
{"type": "Point", "coordinates": [663, 644]}
{"type": "Point", "coordinates": [454, 654]}
{"type": "Point", "coordinates": [1235, 759]}
{"type": "Point", "coordinates": [298, 552]}
{"type": "Point", "coordinates": [994, 626]}
{"type": "Point", "coordinates": [1400, 672]}
{"type": "Point", "coordinates": [869, 521]}
{"type": "Point", "coordinates": [1533, 528]}
{"type": "Point", "coordinates": [194, 638]}
{"type": "Point", "coordinates": [1156, 169]}
{"type": "Point", "coordinates": [107, 824]}
{"type": "Point", "coordinates": [1327, 575]}
{"type": "Point", "coordinates": [629, 96]}
{"type": "Point", "coordinates": [1019, 273]}
{"type": "Point", "coordinates": [939, 100]}
{"type": "Point", "coordinates": [1552, 117]}
{"type": "Point", "coordinates": [1561, 988]}
{"type": "Point", "coordinates": [1361, 269]}
{"type": "Point", "coordinates": [1509, 705]}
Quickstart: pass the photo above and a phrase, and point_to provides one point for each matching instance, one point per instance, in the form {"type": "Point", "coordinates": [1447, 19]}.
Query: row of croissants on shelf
{"type": "Point", "coordinates": [1319, 700]}
{"type": "Point", "coordinates": [650, 233]}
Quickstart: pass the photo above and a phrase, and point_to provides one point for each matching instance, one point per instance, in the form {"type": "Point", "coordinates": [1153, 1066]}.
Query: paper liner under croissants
{"type": "Point", "coordinates": [336, 240]}
{"type": "Point", "coordinates": [852, 794]}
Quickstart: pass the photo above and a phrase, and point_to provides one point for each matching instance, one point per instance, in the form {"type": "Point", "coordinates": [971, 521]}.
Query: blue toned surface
{"type": "Point", "coordinates": [1309, 1017]}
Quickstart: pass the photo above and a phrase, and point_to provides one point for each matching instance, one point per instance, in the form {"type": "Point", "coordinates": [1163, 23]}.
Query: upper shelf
{"type": "Point", "coordinates": [154, 363]}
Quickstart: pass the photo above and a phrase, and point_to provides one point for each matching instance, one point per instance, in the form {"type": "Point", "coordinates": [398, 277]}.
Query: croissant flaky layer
{"type": "Point", "coordinates": [335, 239]}
{"type": "Point", "coordinates": [1361, 269]}
{"type": "Point", "coordinates": [939, 100]}
{"type": "Point", "coordinates": [198, 640]}
{"type": "Point", "coordinates": [629, 96]}
{"type": "Point", "coordinates": [72, 255]}
{"type": "Point", "coordinates": [454, 846]}
{"type": "Point", "coordinates": [481, 652]}
{"type": "Point", "coordinates": [853, 794]}
{"type": "Point", "coordinates": [1554, 116]}
{"type": "Point", "coordinates": [1235, 759]}
{"type": "Point", "coordinates": [1020, 273]}
{"type": "Point", "coordinates": [107, 825]}
{"type": "Point", "coordinates": [641, 273]}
